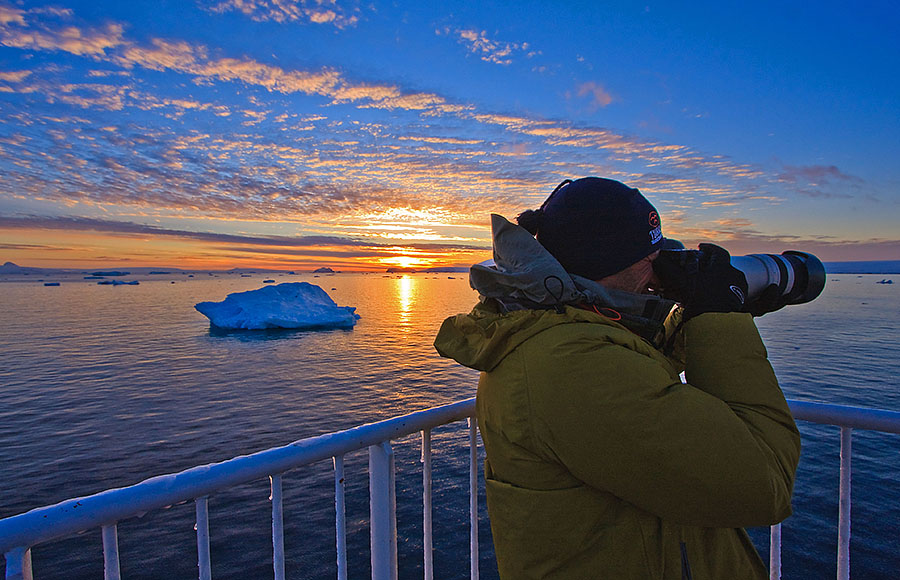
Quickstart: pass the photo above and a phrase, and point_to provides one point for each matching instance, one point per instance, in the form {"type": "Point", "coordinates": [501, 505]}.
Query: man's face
{"type": "Point", "coordinates": [638, 278]}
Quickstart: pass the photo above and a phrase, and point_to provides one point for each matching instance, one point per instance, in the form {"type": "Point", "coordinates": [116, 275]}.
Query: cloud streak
{"type": "Point", "coordinates": [108, 45]}
{"type": "Point", "coordinates": [286, 249]}
{"type": "Point", "coordinates": [493, 51]}
{"type": "Point", "coordinates": [282, 11]}
{"type": "Point", "coordinates": [15, 32]}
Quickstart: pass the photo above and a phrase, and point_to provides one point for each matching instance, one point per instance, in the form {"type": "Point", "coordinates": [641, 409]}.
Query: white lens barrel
{"type": "Point", "coordinates": [761, 270]}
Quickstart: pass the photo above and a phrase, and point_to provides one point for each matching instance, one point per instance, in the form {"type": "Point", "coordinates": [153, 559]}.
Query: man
{"type": "Point", "coordinates": [600, 462]}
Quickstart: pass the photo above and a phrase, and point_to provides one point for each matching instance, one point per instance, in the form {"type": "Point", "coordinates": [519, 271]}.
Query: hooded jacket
{"type": "Point", "coordinates": [601, 462]}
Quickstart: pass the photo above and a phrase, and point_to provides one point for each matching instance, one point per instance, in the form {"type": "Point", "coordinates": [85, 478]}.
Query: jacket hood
{"type": "Point", "coordinates": [525, 290]}
{"type": "Point", "coordinates": [523, 274]}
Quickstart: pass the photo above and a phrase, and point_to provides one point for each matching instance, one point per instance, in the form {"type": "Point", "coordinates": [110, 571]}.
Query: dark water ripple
{"type": "Point", "coordinates": [105, 386]}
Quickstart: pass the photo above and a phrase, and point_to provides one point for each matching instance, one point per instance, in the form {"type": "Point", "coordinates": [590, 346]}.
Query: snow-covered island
{"type": "Point", "coordinates": [299, 305]}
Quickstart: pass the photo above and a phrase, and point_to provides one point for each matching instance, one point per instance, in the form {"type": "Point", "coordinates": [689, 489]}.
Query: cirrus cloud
{"type": "Point", "coordinates": [488, 50]}
{"type": "Point", "coordinates": [317, 12]}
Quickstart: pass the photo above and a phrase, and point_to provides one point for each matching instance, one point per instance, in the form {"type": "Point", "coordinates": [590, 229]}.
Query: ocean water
{"type": "Point", "coordinates": [104, 386]}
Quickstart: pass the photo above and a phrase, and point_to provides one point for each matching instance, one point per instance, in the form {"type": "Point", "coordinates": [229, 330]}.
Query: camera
{"type": "Point", "coordinates": [798, 276]}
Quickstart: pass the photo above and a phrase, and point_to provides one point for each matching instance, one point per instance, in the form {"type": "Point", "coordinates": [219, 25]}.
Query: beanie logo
{"type": "Point", "coordinates": [656, 232]}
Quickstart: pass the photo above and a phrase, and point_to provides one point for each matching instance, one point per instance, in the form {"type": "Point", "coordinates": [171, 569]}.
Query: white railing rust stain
{"type": "Point", "coordinates": [18, 534]}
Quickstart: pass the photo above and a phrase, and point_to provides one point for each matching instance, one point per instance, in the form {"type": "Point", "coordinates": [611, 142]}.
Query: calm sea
{"type": "Point", "coordinates": [104, 386]}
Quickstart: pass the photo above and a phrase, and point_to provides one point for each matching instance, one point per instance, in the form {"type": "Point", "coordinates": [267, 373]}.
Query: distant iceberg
{"type": "Point", "coordinates": [288, 305]}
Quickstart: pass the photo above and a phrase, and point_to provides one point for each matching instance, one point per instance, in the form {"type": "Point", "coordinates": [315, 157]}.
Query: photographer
{"type": "Point", "coordinates": [600, 462]}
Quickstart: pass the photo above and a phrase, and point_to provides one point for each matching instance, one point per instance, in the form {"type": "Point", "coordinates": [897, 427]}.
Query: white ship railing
{"type": "Point", "coordinates": [847, 418]}
{"type": "Point", "coordinates": [18, 534]}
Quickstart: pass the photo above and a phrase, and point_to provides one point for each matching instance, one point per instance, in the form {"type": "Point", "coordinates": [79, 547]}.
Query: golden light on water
{"type": "Point", "coordinates": [405, 289]}
{"type": "Point", "coordinates": [407, 296]}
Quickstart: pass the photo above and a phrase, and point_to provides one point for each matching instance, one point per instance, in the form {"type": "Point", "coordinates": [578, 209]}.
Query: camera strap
{"type": "Point", "coordinates": [642, 314]}
{"type": "Point", "coordinates": [646, 321]}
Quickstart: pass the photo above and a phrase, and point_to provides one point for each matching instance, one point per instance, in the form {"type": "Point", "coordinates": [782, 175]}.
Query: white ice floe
{"type": "Point", "coordinates": [288, 305]}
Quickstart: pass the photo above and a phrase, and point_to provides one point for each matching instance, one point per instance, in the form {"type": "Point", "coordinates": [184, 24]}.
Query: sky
{"type": "Point", "coordinates": [297, 134]}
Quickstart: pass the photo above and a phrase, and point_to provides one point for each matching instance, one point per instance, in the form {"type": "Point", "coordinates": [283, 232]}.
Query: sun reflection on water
{"type": "Point", "coordinates": [407, 296]}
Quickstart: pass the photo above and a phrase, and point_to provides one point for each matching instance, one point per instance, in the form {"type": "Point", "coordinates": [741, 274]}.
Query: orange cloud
{"type": "Point", "coordinates": [92, 42]}
{"type": "Point", "coordinates": [187, 58]}
{"type": "Point", "coordinates": [600, 98]}
{"type": "Point", "coordinates": [11, 15]}
{"type": "Point", "coordinates": [14, 76]}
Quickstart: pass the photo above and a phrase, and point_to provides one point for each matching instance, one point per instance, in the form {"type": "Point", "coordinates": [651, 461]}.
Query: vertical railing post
{"type": "Point", "coordinates": [18, 564]}
{"type": "Point", "coordinates": [277, 527]}
{"type": "Point", "coordinates": [382, 512]}
{"type": "Point", "coordinates": [110, 552]}
{"type": "Point", "coordinates": [340, 518]}
{"type": "Point", "coordinates": [843, 559]}
{"type": "Point", "coordinates": [427, 539]}
{"type": "Point", "coordinates": [473, 497]}
{"type": "Point", "coordinates": [775, 552]}
{"type": "Point", "coordinates": [203, 558]}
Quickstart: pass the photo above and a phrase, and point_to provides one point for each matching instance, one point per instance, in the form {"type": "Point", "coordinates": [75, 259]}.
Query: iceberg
{"type": "Point", "coordinates": [298, 305]}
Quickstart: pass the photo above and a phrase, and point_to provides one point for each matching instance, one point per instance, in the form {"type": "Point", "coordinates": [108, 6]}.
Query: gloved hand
{"type": "Point", "coordinates": [769, 300]}
{"type": "Point", "coordinates": [717, 286]}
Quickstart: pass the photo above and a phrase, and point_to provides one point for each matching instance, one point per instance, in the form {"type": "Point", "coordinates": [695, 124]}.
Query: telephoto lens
{"type": "Point", "coordinates": [800, 276]}
{"type": "Point", "coordinates": [789, 278]}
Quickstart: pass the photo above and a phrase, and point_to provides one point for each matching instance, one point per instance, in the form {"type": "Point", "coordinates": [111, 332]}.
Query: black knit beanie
{"type": "Point", "coordinates": [595, 227]}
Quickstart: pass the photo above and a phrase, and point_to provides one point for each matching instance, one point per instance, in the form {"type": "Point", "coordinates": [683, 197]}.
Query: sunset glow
{"type": "Point", "coordinates": [363, 136]}
{"type": "Point", "coordinates": [406, 262]}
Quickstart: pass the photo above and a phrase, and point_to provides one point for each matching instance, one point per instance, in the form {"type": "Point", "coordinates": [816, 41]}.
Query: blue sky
{"type": "Point", "coordinates": [359, 135]}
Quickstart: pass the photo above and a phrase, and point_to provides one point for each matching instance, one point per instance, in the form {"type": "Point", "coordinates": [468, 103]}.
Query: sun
{"type": "Point", "coordinates": [406, 262]}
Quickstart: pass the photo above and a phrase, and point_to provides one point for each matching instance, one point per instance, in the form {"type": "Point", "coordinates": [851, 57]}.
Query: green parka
{"type": "Point", "coordinates": [601, 463]}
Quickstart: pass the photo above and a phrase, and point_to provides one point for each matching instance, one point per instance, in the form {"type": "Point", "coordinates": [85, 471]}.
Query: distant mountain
{"type": "Point", "coordinates": [10, 268]}
{"type": "Point", "coordinates": [873, 267]}
{"type": "Point", "coordinates": [402, 271]}
{"type": "Point", "coordinates": [428, 270]}
{"type": "Point", "coordinates": [447, 269]}
{"type": "Point", "coordinates": [323, 270]}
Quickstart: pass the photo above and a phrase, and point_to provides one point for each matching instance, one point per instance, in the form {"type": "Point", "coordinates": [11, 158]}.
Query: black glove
{"type": "Point", "coordinates": [717, 286]}
{"type": "Point", "coordinates": [769, 300]}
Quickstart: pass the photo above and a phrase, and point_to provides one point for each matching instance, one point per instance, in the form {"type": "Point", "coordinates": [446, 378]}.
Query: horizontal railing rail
{"type": "Point", "coordinates": [844, 416]}
{"type": "Point", "coordinates": [18, 534]}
